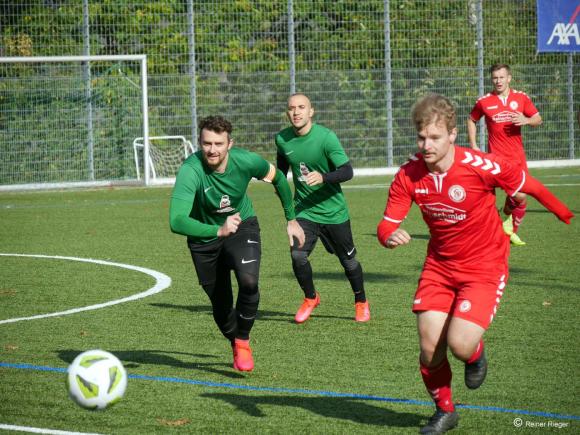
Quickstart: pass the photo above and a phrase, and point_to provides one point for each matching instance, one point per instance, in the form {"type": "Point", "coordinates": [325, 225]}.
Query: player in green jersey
{"type": "Point", "coordinates": [209, 205]}
{"type": "Point", "coordinates": [319, 164]}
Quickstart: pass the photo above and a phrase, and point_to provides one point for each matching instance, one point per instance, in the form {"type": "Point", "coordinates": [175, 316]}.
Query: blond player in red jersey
{"type": "Point", "coordinates": [506, 111]}
{"type": "Point", "coordinates": [466, 268]}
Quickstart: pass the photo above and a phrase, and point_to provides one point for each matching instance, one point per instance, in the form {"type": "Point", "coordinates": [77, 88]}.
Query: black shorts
{"type": "Point", "coordinates": [336, 238]}
{"type": "Point", "coordinates": [240, 252]}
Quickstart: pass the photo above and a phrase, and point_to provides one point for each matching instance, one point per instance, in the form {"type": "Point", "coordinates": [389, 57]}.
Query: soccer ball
{"type": "Point", "coordinates": [96, 379]}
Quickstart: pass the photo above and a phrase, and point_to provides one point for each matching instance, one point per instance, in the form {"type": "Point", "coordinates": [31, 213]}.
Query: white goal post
{"type": "Point", "coordinates": [20, 101]}
{"type": "Point", "coordinates": [164, 162]}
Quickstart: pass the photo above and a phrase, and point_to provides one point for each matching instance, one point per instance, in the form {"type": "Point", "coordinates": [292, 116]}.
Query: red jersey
{"type": "Point", "coordinates": [504, 138]}
{"type": "Point", "coordinates": [458, 206]}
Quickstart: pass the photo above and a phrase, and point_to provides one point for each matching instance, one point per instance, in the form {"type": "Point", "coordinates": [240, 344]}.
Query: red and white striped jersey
{"type": "Point", "coordinates": [458, 206]}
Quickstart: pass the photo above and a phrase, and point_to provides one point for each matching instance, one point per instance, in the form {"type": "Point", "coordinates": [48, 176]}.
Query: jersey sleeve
{"type": "Point", "coordinates": [476, 112]}
{"type": "Point", "coordinates": [186, 184]}
{"type": "Point", "coordinates": [398, 206]}
{"type": "Point", "coordinates": [259, 167]}
{"type": "Point", "coordinates": [536, 189]}
{"type": "Point", "coordinates": [529, 108]}
{"type": "Point", "coordinates": [504, 174]}
{"type": "Point", "coordinates": [334, 150]}
{"type": "Point", "coordinates": [182, 200]}
{"type": "Point", "coordinates": [285, 194]}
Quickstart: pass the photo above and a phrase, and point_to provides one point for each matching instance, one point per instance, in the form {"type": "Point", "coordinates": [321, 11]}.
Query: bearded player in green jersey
{"type": "Point", "coordinates": [210, 206]}
{"type": "Point", "coordinates": [319, 164]}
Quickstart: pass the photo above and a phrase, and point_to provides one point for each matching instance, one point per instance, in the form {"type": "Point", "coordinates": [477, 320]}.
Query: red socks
{"type": "Point", "coordinates": [518, 214]}
{"type": "Point", "coordinates": [476, 354]}
{"type": "Point", "coordinates": [438, 383]}
{"type": "Point", "coordinates": [517, 210]}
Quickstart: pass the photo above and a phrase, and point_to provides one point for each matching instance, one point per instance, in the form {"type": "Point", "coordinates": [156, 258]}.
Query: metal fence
{"type": "Point", "coordinates": [363, 63]}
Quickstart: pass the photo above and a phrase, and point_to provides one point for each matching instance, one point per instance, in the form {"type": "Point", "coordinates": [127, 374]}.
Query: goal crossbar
{"type": "Point", "coordinates": [142, 58]}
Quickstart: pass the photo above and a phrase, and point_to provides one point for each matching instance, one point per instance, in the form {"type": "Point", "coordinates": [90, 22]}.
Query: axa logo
{"type": "Point", "coordinates": [566, 32]}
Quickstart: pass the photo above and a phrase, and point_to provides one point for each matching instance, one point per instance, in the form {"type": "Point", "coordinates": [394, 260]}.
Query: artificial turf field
{"type": "Point", "coordinates": [327, 376]}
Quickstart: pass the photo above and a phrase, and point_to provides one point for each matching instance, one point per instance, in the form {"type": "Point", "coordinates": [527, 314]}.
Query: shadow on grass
{"type": "Point", "coordinates": [135, 358]}
{"type": "Point", "coordinates": [263, 315]}
{"type": "Point", "coordinates": [369, 277]}
{"type": "Point", "coordinates": [344, 408]}
{"type": "Point", "coordinates": [413, 236]}
{"type": "Point", "coordinates": [544, 211]}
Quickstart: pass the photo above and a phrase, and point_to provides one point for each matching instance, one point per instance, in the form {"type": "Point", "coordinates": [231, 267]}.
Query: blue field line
{"type": "Point", "coordinates": [307, 392]}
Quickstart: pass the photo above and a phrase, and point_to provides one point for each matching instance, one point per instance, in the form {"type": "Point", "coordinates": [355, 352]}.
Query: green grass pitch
{"type": "Point", "coordinates": [316, 378]}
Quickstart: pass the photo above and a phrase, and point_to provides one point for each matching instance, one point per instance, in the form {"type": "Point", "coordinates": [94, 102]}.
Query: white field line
{"type": "Point", "coordinates": [386, 186]}
{"type": "Point", "coordinates": [40, 430]}
{"type": "Point", "coordinates": [162, 281]}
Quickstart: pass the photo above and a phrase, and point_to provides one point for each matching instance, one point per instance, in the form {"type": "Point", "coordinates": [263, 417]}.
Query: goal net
{"type": "Point", "coordinates": [166, 154]}
{"type": "Point", "coordinates": [70, 120]}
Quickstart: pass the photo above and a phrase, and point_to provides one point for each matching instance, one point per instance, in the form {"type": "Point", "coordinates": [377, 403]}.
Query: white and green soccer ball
{"type": "Point", "coordinates": [96, 379]}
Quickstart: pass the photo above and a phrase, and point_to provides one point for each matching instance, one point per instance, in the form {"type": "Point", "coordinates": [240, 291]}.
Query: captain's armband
{"type": "Point", "coordinates": [270, 175]}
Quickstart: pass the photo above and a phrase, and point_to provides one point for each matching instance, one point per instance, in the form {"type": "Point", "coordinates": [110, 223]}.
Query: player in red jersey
{"type": "Point", "coordinates": [506, 111]}
{"type": "Point", "coordinates": [466, 267]}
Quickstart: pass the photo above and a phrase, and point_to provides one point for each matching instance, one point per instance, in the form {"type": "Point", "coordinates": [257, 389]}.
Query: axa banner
{"type": "Point", "coordinates": [558, 25]}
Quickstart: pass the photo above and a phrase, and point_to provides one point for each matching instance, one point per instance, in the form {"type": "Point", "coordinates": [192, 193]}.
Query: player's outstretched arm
{"type": "Point", "coordinates": [540, 192]}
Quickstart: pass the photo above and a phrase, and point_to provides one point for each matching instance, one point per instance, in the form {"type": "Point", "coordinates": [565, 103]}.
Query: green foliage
{"type": "Point", "coordinates": [242, 66]}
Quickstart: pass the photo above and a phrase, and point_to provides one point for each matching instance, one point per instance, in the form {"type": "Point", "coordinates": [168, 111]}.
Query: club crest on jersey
{"type": "Point", "coordinates": [465, 306]}
{"type": "Point", "coordinates": [456, 193]}
{"type": "Point", "coordinates": [514, 105]}
{"type": "Point", "coordinates": [304, 171]}
{"type": "Point", "coordinates": [225, 204]}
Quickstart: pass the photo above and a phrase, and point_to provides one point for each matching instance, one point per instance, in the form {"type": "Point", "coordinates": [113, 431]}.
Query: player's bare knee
{"type": "Point", "coordinates": [460, 348]}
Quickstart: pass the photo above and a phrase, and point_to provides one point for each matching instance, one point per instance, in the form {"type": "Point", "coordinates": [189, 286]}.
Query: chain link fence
{"type": "Point", "coordinates": [363, 63]}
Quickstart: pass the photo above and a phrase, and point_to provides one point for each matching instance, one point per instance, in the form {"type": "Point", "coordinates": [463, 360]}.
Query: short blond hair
{"type": "Point", "coordinates": [434, 108]}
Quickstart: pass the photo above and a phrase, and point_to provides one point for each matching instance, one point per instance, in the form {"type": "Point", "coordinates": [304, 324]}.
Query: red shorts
{"type": "Point", "coordinates": [472, 295]}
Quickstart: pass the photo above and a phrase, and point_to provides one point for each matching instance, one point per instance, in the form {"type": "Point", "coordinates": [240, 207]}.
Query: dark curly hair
{"type": "Point", "coordinates": [217, 124]}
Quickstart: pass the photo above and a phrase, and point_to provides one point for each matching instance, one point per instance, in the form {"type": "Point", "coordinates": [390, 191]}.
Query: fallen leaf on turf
{"type": "Point", "coordinates": [178, 422]}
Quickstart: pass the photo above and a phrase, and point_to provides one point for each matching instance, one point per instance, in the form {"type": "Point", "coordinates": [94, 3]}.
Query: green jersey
{"type": "Point", "coordinates": [215, 196]}
{"type": "Point", "coordinates": [318, 150]}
